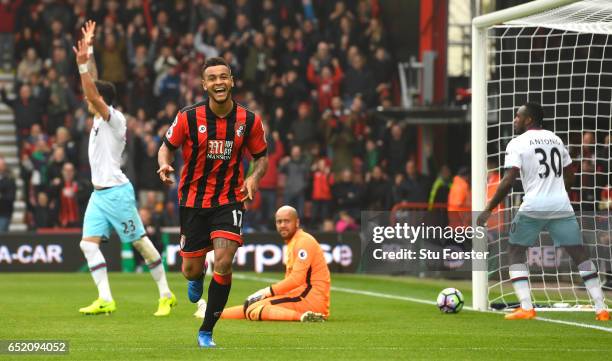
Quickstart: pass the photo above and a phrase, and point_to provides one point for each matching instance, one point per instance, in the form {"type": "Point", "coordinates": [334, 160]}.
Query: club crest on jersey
{"type": "Point", "coordinates": [302, 254]}
{"type": "Point", "coordinates": [202, 128]}
{"type": "Point", "coordinates": [240, 130]}
{"type": "Point", "coordinates": [219, 149]}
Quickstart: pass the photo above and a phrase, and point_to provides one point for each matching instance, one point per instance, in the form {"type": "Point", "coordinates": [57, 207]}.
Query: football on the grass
{"type": "Point", "coordinates": [450, 300]}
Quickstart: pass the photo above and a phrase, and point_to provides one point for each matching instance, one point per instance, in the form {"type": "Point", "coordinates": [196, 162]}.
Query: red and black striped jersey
{"type": "Point", "coordinates": [212, 150]}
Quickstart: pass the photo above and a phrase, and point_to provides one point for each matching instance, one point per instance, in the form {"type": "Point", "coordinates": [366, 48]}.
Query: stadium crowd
{"type": "Point", "coordinates": [312, 68]}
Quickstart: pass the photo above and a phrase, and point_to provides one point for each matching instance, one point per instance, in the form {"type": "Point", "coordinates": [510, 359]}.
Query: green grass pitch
{"type": "Point", "coordinates": [361, 327]}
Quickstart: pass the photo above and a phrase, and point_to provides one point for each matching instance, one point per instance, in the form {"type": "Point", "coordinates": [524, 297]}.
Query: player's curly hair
{"type": "Point", "coordinates": [536, 112]}
{"type": "Point", "coordinates": [214, 62]}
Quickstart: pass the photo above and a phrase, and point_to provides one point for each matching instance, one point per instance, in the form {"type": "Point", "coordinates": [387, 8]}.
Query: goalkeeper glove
{"type": "Point", "coordinates": [258, 296]}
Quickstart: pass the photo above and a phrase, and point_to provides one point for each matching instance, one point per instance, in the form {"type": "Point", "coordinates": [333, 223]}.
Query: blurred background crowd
{"type": "Point", "coordinates": [313, 69]}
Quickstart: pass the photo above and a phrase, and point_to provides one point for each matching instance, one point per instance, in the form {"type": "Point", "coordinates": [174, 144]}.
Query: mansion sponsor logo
{"type": "Point", "coordinates": [219, 149]}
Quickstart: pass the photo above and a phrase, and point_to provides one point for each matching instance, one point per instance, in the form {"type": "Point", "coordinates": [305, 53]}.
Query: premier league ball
{"type": "Point", "coordinates": [450, 300]}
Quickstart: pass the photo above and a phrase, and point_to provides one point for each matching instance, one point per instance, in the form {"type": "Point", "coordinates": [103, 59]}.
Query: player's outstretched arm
{"type": "Point", "coordinates": [87, 81]}
{"type": "Point", "coordinates": [89, 32]}
{"type": "Point", "coordinates": [502, 191]}
{"type": "Point", "coordinates": [165, 157]}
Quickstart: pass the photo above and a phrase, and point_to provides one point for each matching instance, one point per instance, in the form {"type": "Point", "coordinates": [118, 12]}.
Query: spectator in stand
{"type": "Point", "coordinates": [358, 80]}
{"type": "Point", "coordinates": [460, 200]}
{"type": "Point", "coordinates": [166, 116]}
{"type": "Point", "coordinates": [327, 84]}
{"type": "Point", "coordinates": [440, 188]}
{"type": "Point", "coordinates": [295, 89]}
{"type": "Point", "coordinates": [376, 193]}
{"type": "Point", "coordinates": [8, 12]}
{"type": "Point", "coordinates": [588, 146]}
{"type": "Point", "coordinates": [140, 91]}
{"type": "Point", "coordinates": [320, 59]}
{"type": "Point", "coordinates": [322, 182]}
{"type": "Point", "coordinates": [206, 9]}
{"type": "Point", "coordinates": [169, 86]}
{"type": "Point", "coordinates": [382, 71]}
{"type": "Point", "coordinates": [44, 214]}
{"type": "Point", "coordinates": [347, 195]}
{"type": "Point", "coordinates": [57, 37]}
{"type": "Point", "coordinates": [112, 63]}
{"type": "Point", "coordinates": [147, 180]}
{"type": "Point", "coordinates": [27, 148]}
{"type": "Point", "coordinates": [372, 156]}
{"type": "Point", "coordinates": [296, 169]}
{"type": "Point", "coordinates": [56, 164]}
{"type": "Point", "coordinates": [31, 64]}
{"type": "Point", "coordinates": [256, 63]}
{"type": "Point", "coordinates": [59, 62]}
{"type": "Point", "coordinates": [28, 110]}
{"type": "Point", "coordinates": [35, 166]}
{"type": "Point", "coordinates": [342, 142]}
{"type": "Point", "coordinates": [292, 57]}
{"type": "Point", "coordinates": [375, 35]}
{"type": "Point", "coordinates": [61, 100]}
{"type": "Point", "coordinates": [26, 39]}
{"type": "Point", "coordinates": [63, 139]}
{"type": "Point", "coordinates": [71, 196]}
{"type": "Point", "coordinates": [346, 35]}
{"type": "Point", "coordinates": [335, 18]}
{"type": "Point", "coordinates": [242, 33]}
{"type": "Point", "coordinates": [414, 186]}
{"type": "Point", "coordinates": [311, 36]}
{"type": "Point", "coordinates": [8, 191]}
{"type": "Point", "coordinates": [395, 151]}
{"type": "Point", "coordinates": [268, 185]}
{"type": "Point", "coordinates": [303, 129]}
{"type": "Point", "coordinates": [346, 223]}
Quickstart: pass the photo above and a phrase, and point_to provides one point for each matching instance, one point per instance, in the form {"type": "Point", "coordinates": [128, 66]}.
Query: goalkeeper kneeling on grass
{"type": "Point", "coordinates": [304, 293]}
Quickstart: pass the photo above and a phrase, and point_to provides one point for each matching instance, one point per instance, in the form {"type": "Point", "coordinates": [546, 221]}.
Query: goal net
{"type": "Point", "coordinates": [562, 59]}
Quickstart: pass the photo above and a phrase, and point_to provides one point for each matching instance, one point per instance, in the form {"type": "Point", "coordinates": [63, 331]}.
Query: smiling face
{"type": "Point", "coordinates": [218, 83]}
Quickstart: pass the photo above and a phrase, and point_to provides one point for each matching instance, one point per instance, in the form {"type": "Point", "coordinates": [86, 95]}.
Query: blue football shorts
{"type": "Point", "coordinates": [113, 208]}
{"type": "Point", "coordinates": [524, 230]}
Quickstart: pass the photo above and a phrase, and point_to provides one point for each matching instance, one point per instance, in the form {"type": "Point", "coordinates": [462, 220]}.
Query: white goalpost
{"type": "Point", "coordinates": [557, 53]}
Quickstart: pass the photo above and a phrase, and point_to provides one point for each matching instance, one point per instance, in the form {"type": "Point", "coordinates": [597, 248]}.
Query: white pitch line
{"type": "Point", "coordinates": [426, 302]}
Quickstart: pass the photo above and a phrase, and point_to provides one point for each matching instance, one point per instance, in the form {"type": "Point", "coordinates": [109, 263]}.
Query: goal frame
{"type": "Point", "coordinates": [480, 25]}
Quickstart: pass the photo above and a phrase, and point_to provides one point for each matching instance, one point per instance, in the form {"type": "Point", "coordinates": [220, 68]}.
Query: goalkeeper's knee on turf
{"type": "Point", "coordinates": [254, 312]}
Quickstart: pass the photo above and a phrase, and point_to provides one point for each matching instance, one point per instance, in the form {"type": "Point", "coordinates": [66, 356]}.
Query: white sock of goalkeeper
{"type": "Point", "coordinates": [519, 275]}
{"type": "Point", "coordinates": [97, 268]}
{"type": "Point", "coordinates": [589, 275]}
{"type": "Point", "coordinates": [145, 247]}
